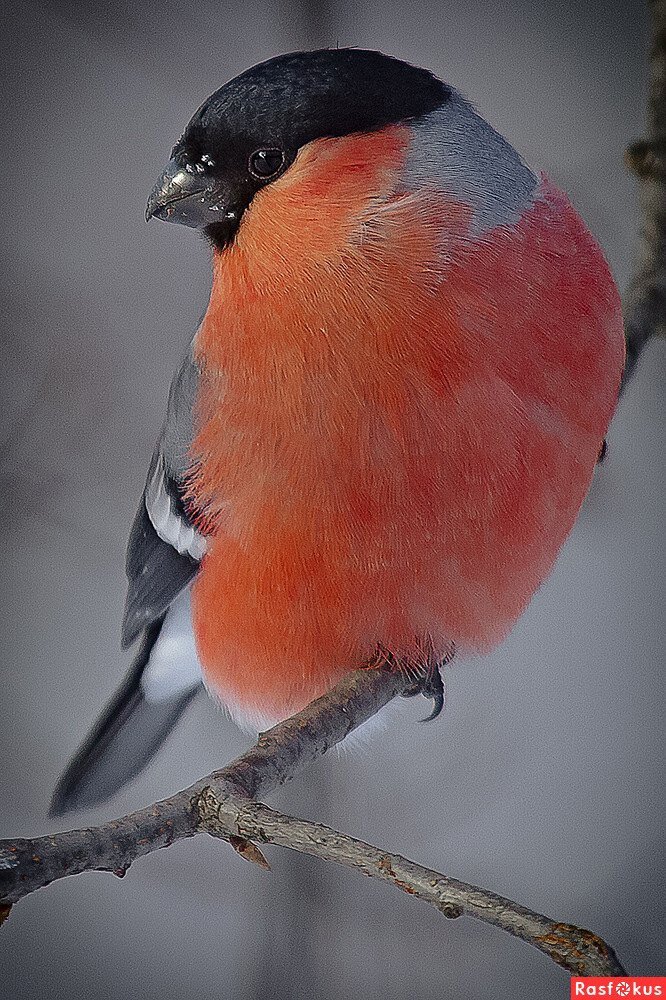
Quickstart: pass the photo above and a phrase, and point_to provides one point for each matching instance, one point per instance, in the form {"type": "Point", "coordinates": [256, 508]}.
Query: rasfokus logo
{"type": "Point", "coordinates": [618, 986]}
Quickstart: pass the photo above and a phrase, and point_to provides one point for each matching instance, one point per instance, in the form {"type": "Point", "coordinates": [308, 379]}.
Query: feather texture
{"type": "Point", "coordinates": [411, 415]}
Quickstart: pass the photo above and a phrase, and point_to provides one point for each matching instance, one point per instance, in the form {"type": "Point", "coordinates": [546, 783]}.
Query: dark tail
{"type": "Point", "coordinates": [124, 739]}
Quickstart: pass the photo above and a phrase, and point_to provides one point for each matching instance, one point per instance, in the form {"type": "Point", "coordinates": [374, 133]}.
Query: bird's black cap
{"type": "Point", "coordinates": [302, 96]}
{"type": "Point", "coordinates": [274, 109]}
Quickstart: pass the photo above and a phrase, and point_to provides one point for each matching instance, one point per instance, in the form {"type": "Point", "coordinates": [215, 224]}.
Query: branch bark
{"type": "Point", "coordinates": [224, 805]}
{"type": "Point", "coordinates": [645, 298]}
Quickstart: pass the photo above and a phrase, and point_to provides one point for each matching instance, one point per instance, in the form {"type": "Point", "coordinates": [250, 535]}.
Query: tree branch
{"type": "Point", "coordinates": [26, 865]}
{"type": "Point", "coordinates": [223, 804]}
{"type": "Point", "coordinates": [575, 949]}
{"type": "Point", "coordinates": [645, 298]}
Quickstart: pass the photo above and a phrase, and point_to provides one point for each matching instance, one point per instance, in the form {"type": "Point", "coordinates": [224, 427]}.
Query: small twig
{"type": "Point", "coordinates": [223, 804]}
{"type": "Point", "coordinates": [577, 950]}
{"type": "Point", "coordinates": [645, 298]}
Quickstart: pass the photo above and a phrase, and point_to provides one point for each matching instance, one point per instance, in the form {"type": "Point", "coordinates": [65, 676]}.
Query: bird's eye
{"type": "Point", "coordinates": [266, 163]}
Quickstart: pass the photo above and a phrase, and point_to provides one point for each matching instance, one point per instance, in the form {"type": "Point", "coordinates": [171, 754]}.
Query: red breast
{"type": "Point", "coordinates": [398, 419]}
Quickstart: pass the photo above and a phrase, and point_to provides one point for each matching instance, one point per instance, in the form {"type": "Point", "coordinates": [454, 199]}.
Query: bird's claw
{"type": "Point", "coordinates": [430, 685]}
{"type": "Point", "coordinates": [427, 680]}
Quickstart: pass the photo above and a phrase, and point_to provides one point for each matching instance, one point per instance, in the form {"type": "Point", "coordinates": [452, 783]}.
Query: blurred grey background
{"type": "Point", "coordinates": [543, 779]}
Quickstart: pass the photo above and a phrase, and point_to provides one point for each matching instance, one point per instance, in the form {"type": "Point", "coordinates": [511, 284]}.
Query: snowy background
{"type": "Point", "coordinates": [543, 779]}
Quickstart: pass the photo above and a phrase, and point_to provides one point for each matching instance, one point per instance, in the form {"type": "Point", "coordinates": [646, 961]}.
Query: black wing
{"type": "Point", "coordinates": [164, 548]}
{"type": "Point", "coordinates": [163, 556]}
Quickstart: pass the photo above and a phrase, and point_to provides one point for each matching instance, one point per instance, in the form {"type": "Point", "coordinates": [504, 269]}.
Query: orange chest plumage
{"type": "Point", "coordinates": [398, 421]}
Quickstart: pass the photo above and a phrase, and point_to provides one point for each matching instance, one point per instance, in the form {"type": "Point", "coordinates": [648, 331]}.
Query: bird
{"type": "Point", "coordinates": [387, 420]}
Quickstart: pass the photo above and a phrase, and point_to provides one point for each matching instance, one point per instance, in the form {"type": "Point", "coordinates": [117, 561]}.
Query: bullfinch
{"type": "Point", "coordinates": [387, 420]}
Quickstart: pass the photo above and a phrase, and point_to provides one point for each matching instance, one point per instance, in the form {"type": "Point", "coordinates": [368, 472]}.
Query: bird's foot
{"type": "Point", "coordinates": [422, 667]}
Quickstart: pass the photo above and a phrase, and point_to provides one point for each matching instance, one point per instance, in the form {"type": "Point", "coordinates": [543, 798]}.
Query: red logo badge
{"type": "Point", "coordinates": [618, 986]}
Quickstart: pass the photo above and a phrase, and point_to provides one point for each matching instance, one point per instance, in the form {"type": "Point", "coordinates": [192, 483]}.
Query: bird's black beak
{"type": "Point", "coordinates": [183, 195]}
